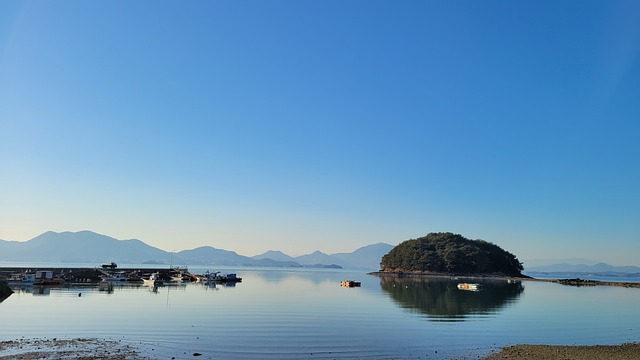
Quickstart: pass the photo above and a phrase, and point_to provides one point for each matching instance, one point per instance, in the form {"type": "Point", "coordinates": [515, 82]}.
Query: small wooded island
{"type": "Point", "coordinates": [448, 253]}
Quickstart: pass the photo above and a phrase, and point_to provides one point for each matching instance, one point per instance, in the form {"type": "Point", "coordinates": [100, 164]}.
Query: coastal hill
{"type": "Point", "coordinates": [90, 247]}
{"type": "Point", "coordinates": [452, 254]}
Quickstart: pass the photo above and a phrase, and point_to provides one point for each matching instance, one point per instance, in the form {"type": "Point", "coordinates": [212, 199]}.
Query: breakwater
{"type": "Point", "coordinates": [95, 275]}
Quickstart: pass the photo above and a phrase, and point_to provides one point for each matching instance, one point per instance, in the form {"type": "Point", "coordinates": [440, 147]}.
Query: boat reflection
{"type": "Point", "coordinates": [36, 290]}
{"type": "Point", "coordinates": [41, 290]}
{"type": "Point", "coordinates": [106, 287]}
{"type": "Point", "coordinates": [442, 300]}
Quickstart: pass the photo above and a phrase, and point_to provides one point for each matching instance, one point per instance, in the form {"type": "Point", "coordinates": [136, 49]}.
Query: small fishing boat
{"type": "Point", "coordinates": [117, 276]}
{"type": "Point", "coordinates": [46, 277]}
{"type": "Point", "coordinates": [177, 279]}
{"type": "Point", "coordinates": [218, 277]}
{"type": "Point", "coordinates": [350, 283]}
{"type": "Point", "coordinates": [469, 286]}
{"type": "Point", "coordinates": [229, 278]}
{"type": "Point", "coordinates": [21, 279]}
{"type": "Point", "coordinates": [153, 280]}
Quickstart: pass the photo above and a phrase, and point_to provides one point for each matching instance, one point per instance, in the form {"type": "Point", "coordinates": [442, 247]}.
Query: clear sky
{"type": "Point", "coordinates": [324, 125]}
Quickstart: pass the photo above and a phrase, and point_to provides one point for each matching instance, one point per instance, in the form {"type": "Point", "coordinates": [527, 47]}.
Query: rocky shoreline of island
{"type": "Point", "coordinates": [493, 276]}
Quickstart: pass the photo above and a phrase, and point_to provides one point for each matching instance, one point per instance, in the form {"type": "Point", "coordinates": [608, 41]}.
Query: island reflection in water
{"type": "Point", "coordinates": [441, 300]}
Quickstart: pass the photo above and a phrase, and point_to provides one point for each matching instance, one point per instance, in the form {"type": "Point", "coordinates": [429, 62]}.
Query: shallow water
{"type": "Point", "coordinates": [293, 314]}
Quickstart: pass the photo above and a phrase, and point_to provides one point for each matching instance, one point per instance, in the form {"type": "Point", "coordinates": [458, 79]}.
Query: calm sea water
{"type": "Point", "coordinates": [294, 314]}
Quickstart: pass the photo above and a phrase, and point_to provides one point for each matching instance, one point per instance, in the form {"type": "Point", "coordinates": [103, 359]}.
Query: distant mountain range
{"type": "Point", "coordinates": [89, 247]}
{"type": "Point", "coordinates": [531, 263]}
{"type": "Point", "coordinates": [598, 268]}
{"type": "Point", "coordinates": [579, 268]}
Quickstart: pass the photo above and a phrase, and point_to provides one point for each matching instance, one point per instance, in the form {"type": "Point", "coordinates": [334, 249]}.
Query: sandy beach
{"type": "Point", "coordinates": [628, 351]}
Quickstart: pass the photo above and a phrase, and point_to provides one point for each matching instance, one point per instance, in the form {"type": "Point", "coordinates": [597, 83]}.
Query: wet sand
{"type": "Point", "coordinates": [91, 348]}
{"type": "Point", "coordinates": [50, 349]}
{"type": "Point", "coordinates": [630, 351]}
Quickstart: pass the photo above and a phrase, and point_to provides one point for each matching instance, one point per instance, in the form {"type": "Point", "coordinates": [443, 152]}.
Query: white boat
{"type": "Point", "coordinates": [179, 275]}
{"type": "Point", "coordinates": [469, 286]}
{"type": "Point", "coordinates": [117, 276]}
{"type": "Point", "coordinates": [154, 280]}
{"type": "Point", "coordinates": [177, 279]}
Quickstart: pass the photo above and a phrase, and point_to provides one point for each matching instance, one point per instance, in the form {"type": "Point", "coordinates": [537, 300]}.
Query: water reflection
{"type": "Point", "coordinates": [441, 300]}
{"type": "Point", "coordinates": [285, 276]}
{"type": "Point", "coordinates": [35, 290]}
{"type": "Point", "coordinates": [106, 287]}
{"type": "Point", "coordinates": [41, 290]}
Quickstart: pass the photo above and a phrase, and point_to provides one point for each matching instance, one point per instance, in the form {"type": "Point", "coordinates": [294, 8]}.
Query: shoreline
{"type": "Point", "coordinates": [91, 276]}
{"type": "Point", "coordinates": [501, 277]}
{"type": "Point", "coordinates": [94, 348]}
{"type": "Point", "coordinates": [626, 351]}
{"type": "Point", "coordinates": [76, 348]}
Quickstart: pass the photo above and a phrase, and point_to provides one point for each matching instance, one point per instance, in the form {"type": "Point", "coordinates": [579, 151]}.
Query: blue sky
{"type": "Point", "coordinates": [302, 125]}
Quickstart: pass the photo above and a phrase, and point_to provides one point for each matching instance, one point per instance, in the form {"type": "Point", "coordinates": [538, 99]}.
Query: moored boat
{"type": "Point", "coordinates": [21, 279]}
{"type": "Point", "coordinates": [218, 277]}
{"type": "Point", "coordinates": [350, 283]}
{"type": "Point", "coordinates": [153, 280]}
{"type": "Point", "coordinates": [46, 277]}
{"type": "Point", "coordinates": [469, 286]}
{"type": "Point", "coordinates": [177, 279]}
{"type": "Point", "coordinates": [117, 276]}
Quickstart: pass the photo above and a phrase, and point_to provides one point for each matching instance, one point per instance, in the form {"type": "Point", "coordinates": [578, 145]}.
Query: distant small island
{"type": "Point", "coordinates": [448, 253]}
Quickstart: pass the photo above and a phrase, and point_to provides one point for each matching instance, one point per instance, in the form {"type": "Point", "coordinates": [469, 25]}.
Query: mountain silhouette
{"type": "Point", "coordinates": [90, 247]}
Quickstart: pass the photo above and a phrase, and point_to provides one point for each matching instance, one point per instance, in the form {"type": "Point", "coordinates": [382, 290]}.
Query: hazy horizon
{"type": "Point", "coordinates": [299, 126]}
{"type": "Point", "coordinates": [528, 262]}
{"type": "Point", "coordinates": [211, 245]}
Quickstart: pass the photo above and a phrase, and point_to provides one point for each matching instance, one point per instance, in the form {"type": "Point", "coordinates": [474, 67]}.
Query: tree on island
{"type": "Point", "coordinates": [450, 253]}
